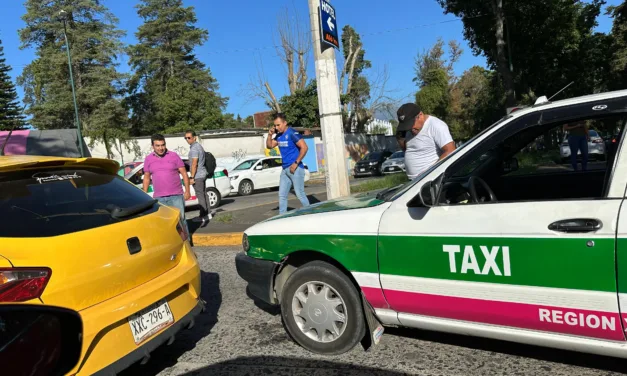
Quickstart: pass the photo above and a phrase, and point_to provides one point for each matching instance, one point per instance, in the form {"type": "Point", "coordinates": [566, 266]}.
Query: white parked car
{"type": "Point", "coordinates": [596, 147]}
{"type": "Point", "coordinates": [394, 164]}
{"type": "Point", "coordinates": [258, 173]}
{"type": "Point", "coordinates": [217, 187]}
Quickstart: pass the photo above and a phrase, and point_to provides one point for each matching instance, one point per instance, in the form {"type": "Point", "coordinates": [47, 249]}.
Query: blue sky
{"type": "Point", "coordinates": [242, 31]}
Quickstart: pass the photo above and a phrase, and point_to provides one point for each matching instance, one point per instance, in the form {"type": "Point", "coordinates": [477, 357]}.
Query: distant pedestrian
{"type": "Point", "coordinates": [293, 149]}
{"type": "Point", "coordinates": [198, 176]}
{"type": "Point", "coordinates": [578, 137]}
{"type": "Point", "coordinates": [165, 168]}
{"type": "Point", "coordinates": [425, 139]}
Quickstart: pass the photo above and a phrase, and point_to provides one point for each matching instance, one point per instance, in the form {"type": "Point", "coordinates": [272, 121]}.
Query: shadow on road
{"type": "Point", "coordinates": [279, 365]}
{"type": "Point", "coordinates": [596, 362]}
{"type": "Point", "coordinates": [270, 309]}
{"type": "Point", "coordinates": [167, 356]}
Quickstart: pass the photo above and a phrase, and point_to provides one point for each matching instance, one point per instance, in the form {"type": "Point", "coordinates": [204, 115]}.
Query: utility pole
{"type": "Point", "coordinates": [329, 109]}
{"type": "Point", "coordinates": [63, 15]}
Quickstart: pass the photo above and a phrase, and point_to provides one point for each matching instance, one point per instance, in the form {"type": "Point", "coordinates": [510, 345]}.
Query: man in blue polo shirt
{"type": "Point", "coordinates": [293, 149]}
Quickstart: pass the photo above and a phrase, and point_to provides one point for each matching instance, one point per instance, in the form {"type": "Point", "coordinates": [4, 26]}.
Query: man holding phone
{"type": "Point", "coordinates": [293, 149]}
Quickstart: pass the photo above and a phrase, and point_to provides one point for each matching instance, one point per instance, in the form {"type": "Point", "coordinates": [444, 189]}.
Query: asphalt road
{"type": "Point", "coordinates": [234, 337]}
{"type": "Point", "coordinates": [262, 197]}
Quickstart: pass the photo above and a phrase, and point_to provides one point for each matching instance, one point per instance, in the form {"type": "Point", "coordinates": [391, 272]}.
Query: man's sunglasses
{"type": "Point", "coordinates": [188, 138]}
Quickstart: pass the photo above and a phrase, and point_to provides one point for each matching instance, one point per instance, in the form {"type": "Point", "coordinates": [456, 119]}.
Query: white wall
{"type": "Point", "coordinates": [227, 150]}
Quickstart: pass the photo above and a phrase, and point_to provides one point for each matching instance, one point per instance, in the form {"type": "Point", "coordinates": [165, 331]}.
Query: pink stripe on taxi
{"type": "Point", "coordinates": [375, 297]}
{"type": "Point", "coordinates": [596, 324]}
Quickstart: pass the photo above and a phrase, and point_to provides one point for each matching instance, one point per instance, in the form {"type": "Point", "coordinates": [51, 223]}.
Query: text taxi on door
{"type": "Point", "coordinates": [499, 240]}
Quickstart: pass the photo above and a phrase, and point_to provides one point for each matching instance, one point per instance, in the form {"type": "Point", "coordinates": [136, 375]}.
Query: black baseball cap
{"type": "Point", "coordinates": [406, 115]}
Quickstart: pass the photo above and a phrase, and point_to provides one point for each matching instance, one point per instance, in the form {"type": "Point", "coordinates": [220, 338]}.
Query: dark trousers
{"type": "Point", "coordinates": [200, 186]}
{"type": "Point", "coordinates": [578, 143]}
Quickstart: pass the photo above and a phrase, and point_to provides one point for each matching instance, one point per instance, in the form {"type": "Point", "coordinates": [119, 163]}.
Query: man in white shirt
{"type": "Point", "coordinates": [425, 139]}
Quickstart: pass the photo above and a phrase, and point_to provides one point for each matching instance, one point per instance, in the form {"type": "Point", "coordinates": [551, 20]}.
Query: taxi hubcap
{"type": "Point", "coordinates": [319, 311]}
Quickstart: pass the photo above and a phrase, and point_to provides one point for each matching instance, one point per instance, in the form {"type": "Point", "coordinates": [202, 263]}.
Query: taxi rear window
{"type": "Point", "coordinates": [51, 202]}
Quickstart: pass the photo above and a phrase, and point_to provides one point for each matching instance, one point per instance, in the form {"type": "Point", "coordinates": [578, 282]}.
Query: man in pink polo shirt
{"type": "Point", "coordinates": [164, 167]}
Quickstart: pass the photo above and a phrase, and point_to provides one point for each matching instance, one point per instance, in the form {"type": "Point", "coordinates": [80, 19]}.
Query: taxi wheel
{"type": "Point", "coordinates": [214, 198]}
{"type": "Point", "coordinates": [321, 309]}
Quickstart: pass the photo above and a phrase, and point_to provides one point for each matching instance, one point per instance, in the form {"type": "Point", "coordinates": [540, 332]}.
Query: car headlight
{"type": "Point", "coordinates": [245, 243]}
{"type": "Point", "coordinates": [234, 177]}
{"type": "Point", "coordinates": [373, 163]}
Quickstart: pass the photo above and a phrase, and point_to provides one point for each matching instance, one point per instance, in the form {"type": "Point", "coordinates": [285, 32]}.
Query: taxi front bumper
{"type": "Point", "coordinates": [259, 274]}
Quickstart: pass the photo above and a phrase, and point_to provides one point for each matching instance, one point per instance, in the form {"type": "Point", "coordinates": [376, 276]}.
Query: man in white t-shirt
{"type": "Point", "coordinates": [425, 139]}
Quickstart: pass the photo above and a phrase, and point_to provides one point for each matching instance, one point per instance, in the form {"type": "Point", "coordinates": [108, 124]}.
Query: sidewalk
{"type": "Point", "coordinates": [227, 228]}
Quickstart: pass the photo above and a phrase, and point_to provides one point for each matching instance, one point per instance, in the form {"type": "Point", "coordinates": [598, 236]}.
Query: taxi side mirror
{"type": "Point", "coordinates": [426, 196]}
{"type": "Point", "coordinates": [258, 168]}
{"type": "Point", "coordinates": [510, 165]}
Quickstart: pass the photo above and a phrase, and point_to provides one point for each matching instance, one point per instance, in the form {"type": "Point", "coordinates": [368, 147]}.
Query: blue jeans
{"type": "Point", "coordinates": [177, 202]}
{"type": "Point", "coordinates": [287, 179]}
{"type": "Point", "coordinates": [577, 143]}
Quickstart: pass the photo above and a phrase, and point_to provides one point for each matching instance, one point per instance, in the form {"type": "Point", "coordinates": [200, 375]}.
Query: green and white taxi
{"type": "Point", "coordinates": [499, 240]}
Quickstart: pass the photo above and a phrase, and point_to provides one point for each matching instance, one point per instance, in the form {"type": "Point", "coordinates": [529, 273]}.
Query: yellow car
{"type": "Point", "coordinates": [74, 234]}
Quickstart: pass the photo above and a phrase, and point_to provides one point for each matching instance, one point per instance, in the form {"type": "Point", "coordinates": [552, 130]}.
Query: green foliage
{"type": "Point", "coordinates": [474, 103]}
{"type": "Point", "coordinates": [94, 46]}
{"type": "Point", "coordinates": [354, 86]}
{"type": "Point", "coordinates": [301, 108]}
{"type": "Point", "coordinates": [618, 47]}
{"type": "Point", "coordinates": [379, 184]}
{"type": "Point", "coordinates": [11, 116]}
{"type": "Point", "coordinates": [433, 97]}
{"type": "Point", "coordinates": [171, 90]}
{"type": "Point", "coordinates": [551, 42]}
{"type": "Point", "coordinates": [249, 121]}
{"type": "Point", "coordinates": [433, 59]}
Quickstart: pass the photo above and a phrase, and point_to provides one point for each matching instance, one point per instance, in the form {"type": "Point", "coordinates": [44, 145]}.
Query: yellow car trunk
{"type": "Point", "coordinates": [91, 266]}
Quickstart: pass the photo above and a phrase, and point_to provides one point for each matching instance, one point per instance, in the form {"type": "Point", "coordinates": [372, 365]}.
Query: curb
{"type": "Point", "coordinates": [217, 240]}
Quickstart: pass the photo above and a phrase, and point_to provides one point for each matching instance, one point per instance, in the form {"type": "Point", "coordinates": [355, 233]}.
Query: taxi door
{"type": "Point", "coordinates": [537, 264]}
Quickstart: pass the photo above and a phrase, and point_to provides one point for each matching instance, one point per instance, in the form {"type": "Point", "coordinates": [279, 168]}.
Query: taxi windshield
{"type": "Point", "coordinates": [393, 193]}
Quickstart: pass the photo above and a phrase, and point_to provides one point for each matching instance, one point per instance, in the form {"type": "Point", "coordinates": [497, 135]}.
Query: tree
{"type": "Point", "coordinates": [249, 121]}
{"type": "Point", "coordinates": [433, 97]}
{"type": "Point", "coordinates": [171, 90]}
{"type": "Point", "coordinates": [434, 75]}
{"type": "Point", "coordinates": [363, 95]}
{"type": "Point", "coordinates": [470, 97]}
{"type": "Point", "coordinates": [94, 45]}
{"type": "Point", "coordinates": [301, 108]}
{"type": "Point", "coordinates": [353, 86]}
{"type": "Point", "coordinates": [433, 59]}
{"type": "Point", "coordinates": [11, 116]}
{"type": "Point", "coordinates": [618, 47]}
{"type": "Point", "coordinates": [548, 40]}
{"type": "Point", "coordinates": [293, 48]}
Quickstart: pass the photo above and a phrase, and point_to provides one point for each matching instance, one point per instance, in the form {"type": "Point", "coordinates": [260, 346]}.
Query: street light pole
{"type": "Point", "coordinates": [63, 16]}
{"type": "Point", "coordinates": [330, 111]}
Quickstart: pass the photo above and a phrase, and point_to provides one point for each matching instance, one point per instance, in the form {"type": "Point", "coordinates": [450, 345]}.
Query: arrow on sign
{"type": "Point", "coordinates": [331, 25]}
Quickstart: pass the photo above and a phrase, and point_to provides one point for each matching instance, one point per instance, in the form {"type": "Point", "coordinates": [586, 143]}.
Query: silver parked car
{"type": "Point", "coordinates": [596, 147]}
{"type": "Point", "coordinates": [394, 164]}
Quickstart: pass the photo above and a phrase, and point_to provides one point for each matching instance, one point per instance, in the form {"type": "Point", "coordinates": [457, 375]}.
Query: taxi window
{"type": "Point", "coordinates": [52, 202]}
{"type": "Point", "coordinates": [559, 161]}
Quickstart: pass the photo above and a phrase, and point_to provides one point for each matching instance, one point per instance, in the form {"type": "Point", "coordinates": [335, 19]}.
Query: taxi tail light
{"type": "Point", "coordinates": [182, 230]}
{"type": "Point", "coordinates": [22, 284]}
{"type": "Point", "coordinates": [226, 173]}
